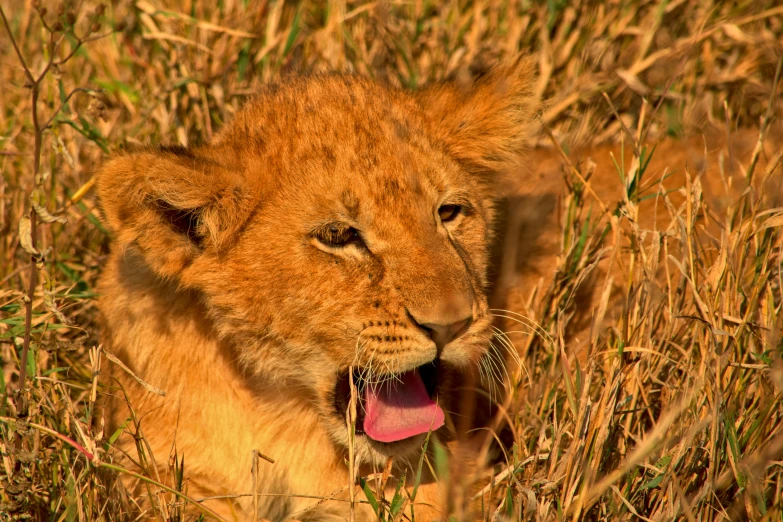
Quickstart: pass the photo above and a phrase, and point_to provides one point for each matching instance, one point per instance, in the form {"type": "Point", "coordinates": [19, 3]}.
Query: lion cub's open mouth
{"type": "Point", "coordinates": [400, 406]}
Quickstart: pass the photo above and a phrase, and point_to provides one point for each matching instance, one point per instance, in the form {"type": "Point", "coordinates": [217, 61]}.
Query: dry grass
{"type": "Point", "coordinates": [675, 414]}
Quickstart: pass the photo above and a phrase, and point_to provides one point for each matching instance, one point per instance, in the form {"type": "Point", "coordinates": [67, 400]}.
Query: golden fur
{"type": "Point", "coordinates": [223, 290]}
{"type": "Point", "coordinates": [219, 291]}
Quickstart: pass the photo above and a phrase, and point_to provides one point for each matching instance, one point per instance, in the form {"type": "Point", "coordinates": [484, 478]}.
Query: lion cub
{"type": "Point", "coordinates": [337, 230]}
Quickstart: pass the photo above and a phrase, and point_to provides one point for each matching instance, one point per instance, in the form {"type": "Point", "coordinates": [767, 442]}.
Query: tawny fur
{"type": "Point", "coordinates": [219, 292]}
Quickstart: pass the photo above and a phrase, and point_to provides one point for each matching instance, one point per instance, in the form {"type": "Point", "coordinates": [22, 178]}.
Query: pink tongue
{"type": "Point", "coordinates": [400, 409]}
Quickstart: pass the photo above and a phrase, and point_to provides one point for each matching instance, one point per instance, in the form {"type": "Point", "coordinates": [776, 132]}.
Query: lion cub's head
{"type": "Point", "coordinates": [337, 228]}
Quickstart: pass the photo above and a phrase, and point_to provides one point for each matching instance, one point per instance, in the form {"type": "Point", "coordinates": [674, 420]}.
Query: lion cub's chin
{"type": "Point", "coordinates": [373, 453]}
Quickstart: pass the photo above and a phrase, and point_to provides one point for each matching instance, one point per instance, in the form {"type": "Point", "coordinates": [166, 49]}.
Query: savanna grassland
{"type": "Point", "coordinates": [671, 406]}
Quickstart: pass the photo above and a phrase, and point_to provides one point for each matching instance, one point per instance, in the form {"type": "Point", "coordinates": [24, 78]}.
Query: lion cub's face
{"type": "Point", "coordinates": [338, 231]}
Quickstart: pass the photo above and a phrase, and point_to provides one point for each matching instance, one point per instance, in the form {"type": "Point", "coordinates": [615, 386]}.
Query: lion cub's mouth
{"type": "Point", "coordinates": [394, 407]}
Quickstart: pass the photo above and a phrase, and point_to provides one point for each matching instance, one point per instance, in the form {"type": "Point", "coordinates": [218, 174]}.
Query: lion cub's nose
{"type": "Point", "coordinates": [443, 334]}
{"type": "Point", "coordinates": [446, 322]}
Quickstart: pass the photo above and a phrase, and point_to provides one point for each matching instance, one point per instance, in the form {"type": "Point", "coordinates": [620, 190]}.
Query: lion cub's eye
{"type": "Point", "coordinates": [337, 235]}
{"type": "Point", "coordinates": [449, 212]}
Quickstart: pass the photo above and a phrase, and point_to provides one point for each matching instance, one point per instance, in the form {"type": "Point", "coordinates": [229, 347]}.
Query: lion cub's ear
{"type": "Point", "coordinates": [172, 204]}
{"type": "Point", "coordinates": [486, 123]}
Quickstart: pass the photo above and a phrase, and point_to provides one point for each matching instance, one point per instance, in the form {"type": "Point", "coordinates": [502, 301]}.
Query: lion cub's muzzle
{"type": "Point", "coordinates": [396, 377]}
